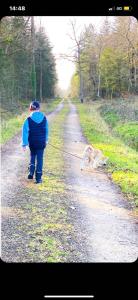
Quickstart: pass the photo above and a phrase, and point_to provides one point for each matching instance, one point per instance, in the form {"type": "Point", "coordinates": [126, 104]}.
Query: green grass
{"type": "Point", "coordinates": [126, 110]}
{"type": "Point", "coordinates": [11, 122]}
{"type": "Point", "coordinates": [54, 158]}
{"type": "Point", "coordinates": [111, 118]}
{"type": "Point", "coordinates": [129, 133]}
{"type": "Point", "coordinates": [122, 118]}
{"type": "Point", "coordinates": [123, 161]}
{"type": "Point", "coordinates": [50, 105]}
{"type": "Point", "coordinates": [10, 127]}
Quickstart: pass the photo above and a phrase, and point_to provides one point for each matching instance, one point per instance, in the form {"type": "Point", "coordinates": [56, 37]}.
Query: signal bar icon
{"type": "Point", "coordinates": [125, 8]}
{"type": "Point", "coordinates": [111, 8]}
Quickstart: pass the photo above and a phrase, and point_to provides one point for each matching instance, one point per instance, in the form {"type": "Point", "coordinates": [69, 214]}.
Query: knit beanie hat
{"type": "Point", "coordinates": [34, 105]}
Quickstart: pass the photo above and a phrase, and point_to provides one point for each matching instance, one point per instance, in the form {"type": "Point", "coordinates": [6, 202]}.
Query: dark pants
{"type": "Point", "coordinates": [36, 162]}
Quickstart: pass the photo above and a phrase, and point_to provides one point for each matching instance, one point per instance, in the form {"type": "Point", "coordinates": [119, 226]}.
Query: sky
{"type": "Point", "coordinates": [57, 30]}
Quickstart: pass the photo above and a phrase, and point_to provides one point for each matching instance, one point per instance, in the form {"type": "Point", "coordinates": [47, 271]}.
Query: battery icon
{"type": "Point", "coordinates": [126, 7]}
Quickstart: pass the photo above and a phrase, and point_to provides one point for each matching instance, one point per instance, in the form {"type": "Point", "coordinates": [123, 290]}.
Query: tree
{"type": "Point", "coordinates": [26, 72]}
{"type": "Point", "coordinates": [126, 38]}
{"type": "Point", "coordinates": [75, 55]}
{"type": "Point", "coordinates": [33, 73]}
{"type": "Point", "coordinates": [45, 66]}
{"type": "Point", "coordinates": [109, 58]}
{"type": "Point", "coordinates": [74, 88]}
{"type": "Point", "coordinates": [15, 58]}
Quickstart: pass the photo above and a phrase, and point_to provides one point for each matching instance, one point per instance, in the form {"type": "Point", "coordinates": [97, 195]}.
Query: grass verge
{"type": "Point", "coordinates": [11, 122]}
{"type": "Point", "coordinates": [123, 161]}
{"type": "Point", "coordinates": [122, 118]}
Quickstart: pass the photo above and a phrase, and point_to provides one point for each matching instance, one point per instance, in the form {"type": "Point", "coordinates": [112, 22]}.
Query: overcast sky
{"type": "Point", "coordinates": [57, 29]}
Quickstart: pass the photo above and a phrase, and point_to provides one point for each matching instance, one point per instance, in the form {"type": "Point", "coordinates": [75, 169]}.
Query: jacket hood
{"type": "Point", "coordinates": [37, 116]}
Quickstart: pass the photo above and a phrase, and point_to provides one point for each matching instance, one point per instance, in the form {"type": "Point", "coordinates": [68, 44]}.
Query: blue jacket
{"type": "Point", "coordinates": [37, 117]}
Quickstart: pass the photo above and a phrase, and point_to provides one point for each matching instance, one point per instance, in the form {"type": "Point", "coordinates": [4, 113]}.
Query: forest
{"type": "Point", "coordinates": [72, 214]}
{"type": "Point", "coordinates": [106, 61]}
{"type": "Point", "coordinates": [27, 63]}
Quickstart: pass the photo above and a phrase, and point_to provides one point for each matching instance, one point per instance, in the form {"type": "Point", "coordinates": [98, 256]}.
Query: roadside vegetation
{"type": "Point", "coordinates": [12, 120]}
{"type": "Point", "coordinates": [122, 117]}
{"type": "Point", "coordinates": [102, 127]}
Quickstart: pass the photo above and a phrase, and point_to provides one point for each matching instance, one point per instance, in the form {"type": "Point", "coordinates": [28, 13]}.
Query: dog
{"type": "Point", "coordinates": [93, 158]}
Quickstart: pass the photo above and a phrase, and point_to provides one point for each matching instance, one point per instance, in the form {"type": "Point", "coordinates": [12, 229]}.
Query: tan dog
{"type": "Point", "coordinates": [93, 158]}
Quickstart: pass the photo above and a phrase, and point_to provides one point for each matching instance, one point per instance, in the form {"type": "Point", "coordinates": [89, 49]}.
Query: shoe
{"type": "Point", "coordinates": [30, 176]}
{"type": "Point", "coordinates": [38, 181]}
{"type": "Point", "coordinates": [38, 177]}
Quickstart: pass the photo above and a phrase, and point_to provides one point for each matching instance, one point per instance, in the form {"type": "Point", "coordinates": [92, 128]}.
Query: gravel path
{"type": "Point", "coordinates": [104, 227]}
{"type": "Point", "coordinates": [104, 222]}
{"type": "Point", "coordinates": [14, 166]}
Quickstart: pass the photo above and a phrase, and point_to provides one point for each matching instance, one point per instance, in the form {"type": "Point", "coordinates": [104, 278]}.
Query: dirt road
{"type": "Point", "coordinates": [104, 226]}
{"type": "Point", "coordinates": [14, 166]}
{"type": "Point", "coordinates": [102, 215]}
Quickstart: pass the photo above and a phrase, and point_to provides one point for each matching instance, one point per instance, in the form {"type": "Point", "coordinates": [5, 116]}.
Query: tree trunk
{"type": "Point", "coordinates": [40, 76]}
{"type": "Point", "coordinates": [99, 83]}
{"type": "Point", "coordinates": [135, 75]}
{"type": "Point", "coordinates": [111, 94]}
{"type": "Point", "coordinates": [80, 76]}
{"type": "Point", "coordinates": [33, 59]}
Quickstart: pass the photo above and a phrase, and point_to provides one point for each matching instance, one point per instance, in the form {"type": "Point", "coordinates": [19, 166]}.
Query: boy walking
{"type": "Point", "coordinates": [35, 134]}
